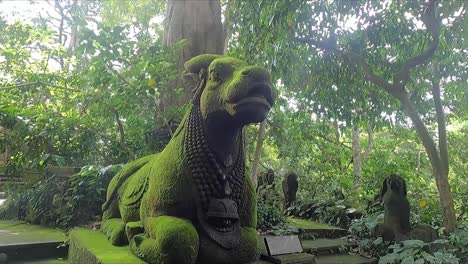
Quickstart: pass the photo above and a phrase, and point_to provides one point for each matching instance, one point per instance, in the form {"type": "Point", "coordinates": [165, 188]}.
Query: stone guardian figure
{"type": "Point", "coordinates": [193, 202]}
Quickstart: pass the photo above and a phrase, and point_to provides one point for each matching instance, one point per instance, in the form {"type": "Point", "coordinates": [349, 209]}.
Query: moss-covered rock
{"type": "Point", "coordinates": [91, 247]}
{"type": "Point", "coordinates": [176, 241]}
{"type": "Point", "coordinates": [114, 229]}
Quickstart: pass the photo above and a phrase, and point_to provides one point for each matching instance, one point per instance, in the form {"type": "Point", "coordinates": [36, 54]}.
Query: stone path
{"type": "Point", "coordinates": [31, 244]}
{"type": "Point", "coordinates": [323, 241]}
{"type": "Point", "coordinates": [21, 241]}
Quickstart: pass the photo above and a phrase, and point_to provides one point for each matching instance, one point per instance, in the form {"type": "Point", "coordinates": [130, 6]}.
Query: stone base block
{"type": "Point", "coordinates": [92, 247]}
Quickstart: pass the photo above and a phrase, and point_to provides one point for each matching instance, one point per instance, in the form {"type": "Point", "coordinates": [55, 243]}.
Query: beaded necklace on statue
{"type": "Point", "coordinates": [210, 179]}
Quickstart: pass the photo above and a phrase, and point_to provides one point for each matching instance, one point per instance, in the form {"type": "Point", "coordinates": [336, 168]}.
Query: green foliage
{"type": "Point", "coordinates": [94, 102]}
{"type": "Point", "coordinates": [447, 249]}
{"type": "Point", "coordinates": [101, 100]}
{"type": "Point", "coordinates": [418, 252]}
{"type": "Point", "coordinates": [363, 230]}
{"type": "Point", "coordinates": [335, 213]}
{"type": "Point", "coordinates": [314, 49]}
{"type": "Point", "coordinates": [55, 202]}
{"type": "Point", "coordinates": [87, 192]}
{"type": "Point", "coordinates": [268, 215]}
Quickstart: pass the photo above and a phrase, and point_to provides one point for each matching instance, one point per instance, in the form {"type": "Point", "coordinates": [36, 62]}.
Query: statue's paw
{"type": "Point", "coordinates": [133, 228]}
{"type": "Point", "coordinates": [167, 240]}
{"type": "Point", "coordinates": [145, 248]}
{"type": "Point", "coordinates": [114, 229]}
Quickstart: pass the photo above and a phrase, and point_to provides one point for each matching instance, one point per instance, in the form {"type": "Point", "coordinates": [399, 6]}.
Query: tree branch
{"type": "Point", "coordinates": [368, 73]}
{"type": "Point", "coordinates": [19, 85]}
{"type": "Point", "coordinates": [120, 126]}
{"type": "Point", "coordinates": [432, 24]}
{"type": "Point", "coordinates": [441, 124]}
{"type": "Point", "coordinates": [370, 143]}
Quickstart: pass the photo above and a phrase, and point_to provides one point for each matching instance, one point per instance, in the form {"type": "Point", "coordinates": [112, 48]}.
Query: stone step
{"type": "Point", "coordinates": [21, 241]}
{"type": "Point", "coordinates": [314, 229]}
{"type": "Point", "coordinates": [344, 259]}
{"type": "Point", "coordinates": [92, 247]}
{"type": "Point", "coordinates": [323, 246]}
{"type": "Point", "coordinates": [40, 261]}
{"type": "Point", "coordinates": [296, 258]}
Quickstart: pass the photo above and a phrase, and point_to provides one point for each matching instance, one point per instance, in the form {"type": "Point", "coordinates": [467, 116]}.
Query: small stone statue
{"type": "Point", "coordinates": [266, 188]}
{"type": "Point", "coordinates": [266, 178]}
{"type": "Point", "coordinates": [193, 203]}
{"type": "Point", "coordinates": [396, 224]}
{"type": "Point", "coordinates": [290, 186]}
{"type": "Point", "coordinates": [396, 205]}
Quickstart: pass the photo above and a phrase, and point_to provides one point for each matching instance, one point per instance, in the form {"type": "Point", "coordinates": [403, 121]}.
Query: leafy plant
{"type": "Point", "coordinates": [268, 215]}
{"type": "Point", "coordinates": [57, 202]}
{"type": "Point", "coordinates": [418, 252]}
{"type": "Point", "coordinates": [82, 201]}
{"type": "Point", "coordinates": [336, 213]}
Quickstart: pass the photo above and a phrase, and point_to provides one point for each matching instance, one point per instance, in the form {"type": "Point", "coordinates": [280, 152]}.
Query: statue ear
{"type": "Point", "coordinates": [196, 71]}
{"type": "Point", "coordinates": [191, 81]}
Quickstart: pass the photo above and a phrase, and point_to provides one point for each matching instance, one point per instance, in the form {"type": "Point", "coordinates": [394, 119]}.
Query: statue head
{"type": "Point", "coordinates": [229, 89]}
{"type": "Point", "coordinates": [395, 183]}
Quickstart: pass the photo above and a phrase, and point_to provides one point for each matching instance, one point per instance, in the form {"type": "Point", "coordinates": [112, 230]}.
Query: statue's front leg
{"type": "Point", "coordinates": [249, 248]}
{"type": "Point", "coordinates": [167, 240]}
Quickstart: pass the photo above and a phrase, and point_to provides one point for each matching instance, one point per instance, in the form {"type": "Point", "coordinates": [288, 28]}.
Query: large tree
{"type": "Point", "coordinates": [198, 24]}
{"type": "Point", "coordinates": [357, 61]}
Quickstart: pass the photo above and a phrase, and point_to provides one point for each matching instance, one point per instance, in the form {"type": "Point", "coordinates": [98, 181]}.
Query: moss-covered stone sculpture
{"type": "Point", "coordinates": [193, 202]}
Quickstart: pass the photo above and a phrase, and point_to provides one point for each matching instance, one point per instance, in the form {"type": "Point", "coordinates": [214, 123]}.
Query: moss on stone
{"type": "Point", "coordinates": [175, 241]}
{"type": "Point", "coordinates": [158, 185]}
{"type": "Point", "coordinates": [307, 224]}
{"type": "Point", "coordinates": [114, 229]}
{"type": "Point", "coordinates": [92, 247]}
{"type": "Point", "coordinates": [201, 61]}
{"type": "Point", "coordinates": [20, 232]}
{"type": "Point", "coordinates": [134, 228]}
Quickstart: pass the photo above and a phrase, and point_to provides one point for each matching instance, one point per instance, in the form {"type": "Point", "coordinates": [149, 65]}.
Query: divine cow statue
{"type": "Point", "coordinates": [193, 202]}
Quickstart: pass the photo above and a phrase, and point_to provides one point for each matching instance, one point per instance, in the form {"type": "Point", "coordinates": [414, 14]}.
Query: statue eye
{"type": "Point", "coordinates": [215, 76]}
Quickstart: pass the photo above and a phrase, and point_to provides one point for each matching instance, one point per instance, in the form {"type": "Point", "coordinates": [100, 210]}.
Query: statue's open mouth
{"type": "Point", "coordinates": [260, 94]}
{"type": "Point", "coordinates": [223, 225]}
{"type": "Point", "coordinates": [222, 215]}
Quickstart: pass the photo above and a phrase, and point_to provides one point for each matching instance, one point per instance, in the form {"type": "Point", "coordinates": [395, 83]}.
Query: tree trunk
{"type": "Point", "coordinates": [439, 170]}
{"type": "Point", "coordinates": [258, 153]}
{"type": "Point", "coordinates": [360, 157]}
{"type": "Point", "coordinates": [199, 23]}
{"type": "Point", "coordinates": [357, 162]}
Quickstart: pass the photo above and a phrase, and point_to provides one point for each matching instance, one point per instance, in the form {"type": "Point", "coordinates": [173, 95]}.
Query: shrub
{"type": "Point", "coordinates": [268, 215]}
{"type": "Point", "coordinates": [83, 200]}
{"type": "Point", "coordinates": [56, 202]}
{"type": "Point", "coordinates": [335, 213]}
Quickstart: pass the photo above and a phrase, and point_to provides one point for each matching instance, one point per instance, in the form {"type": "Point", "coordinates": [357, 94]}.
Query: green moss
{"type": "Point", "coordinates": [172, 240]}
{"type": "Point", "coordinates": [117, 181]}
{"type": "Point", "coordinates": [134, 228]}
{"type": "Point", "coordinates": [306, 224]}
{"type": "Point", "coordinates": [19, 232]}
{"type": "Point", "coordinates": [249, 242]}
{"type": "Point", "coordinates": [156, 185]}
{"type": "Point", "coordinates": [201, 61]}
{"type": "Point", "coordinates": [114, 229]}
{"type": "Point", "coordinates": [90, 247]}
